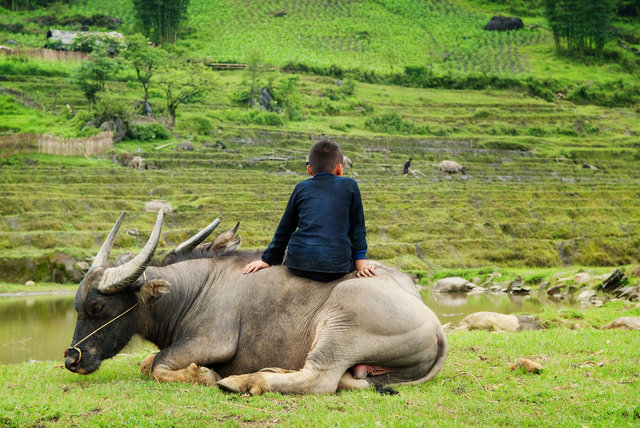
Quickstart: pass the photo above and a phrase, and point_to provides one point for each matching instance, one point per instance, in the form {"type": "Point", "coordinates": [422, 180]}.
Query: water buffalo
{"type": "Point", "coordinates": [451, 167]}
{"type": "Point", "coordinates": [266, 331]}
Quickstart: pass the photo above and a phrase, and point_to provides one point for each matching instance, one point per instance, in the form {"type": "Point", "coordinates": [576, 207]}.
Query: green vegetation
{"type": "Point", "coordinates": [590, 378]}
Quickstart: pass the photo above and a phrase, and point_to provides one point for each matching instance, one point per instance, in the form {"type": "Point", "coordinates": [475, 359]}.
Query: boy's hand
{"type": "Point", "coordinates": [255, 266]}
{"type": "Point", "coordinates": [364, 269]}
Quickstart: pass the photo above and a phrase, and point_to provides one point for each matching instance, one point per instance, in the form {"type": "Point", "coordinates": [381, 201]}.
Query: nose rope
{"type": "Point", "coordinates": [94, 332]}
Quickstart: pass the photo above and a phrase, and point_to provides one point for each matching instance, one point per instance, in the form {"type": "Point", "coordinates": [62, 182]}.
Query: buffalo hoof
{"type": "Point", "coordinates": [252, 383]}
{"type": "Point", "coordinates": [147, 363]}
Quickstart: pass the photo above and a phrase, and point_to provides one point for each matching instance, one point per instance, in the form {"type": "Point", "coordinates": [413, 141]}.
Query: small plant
{"type": "Point", "coordinates": [150, 132]}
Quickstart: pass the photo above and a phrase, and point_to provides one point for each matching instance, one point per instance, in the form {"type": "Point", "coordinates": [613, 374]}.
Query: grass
{"type": "Point", "coordinates": [589, 378]}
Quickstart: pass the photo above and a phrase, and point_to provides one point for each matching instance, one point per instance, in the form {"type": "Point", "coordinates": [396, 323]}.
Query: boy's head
{"type": "Point", "coordinates": [324, 156]}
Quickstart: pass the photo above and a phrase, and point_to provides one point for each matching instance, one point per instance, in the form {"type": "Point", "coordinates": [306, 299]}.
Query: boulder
{"type": "Point", "coordinates": [186, 146]}
{"type": "Point", "coordinates": [30, 283]}
{"type": "Point", "coordinates": [624, 323]}
{"type": "Point", "coordinates": [528, 366]}
{"type": "Point", "coordinates": [586, 296]}
{"type": "Point", "coordinates": [528, 322]}
{"type": "Point", "coordinates": [65, 268]}
{"type": "Point", "coordinates": [613, 282]}
{"type": "Point", "coordinates": [517, 287]}
{"type": "Point", "coordinates": [630, 293]}
{"type": "Point", "coordinates": [453, 284]}
{"type": "Point", "coordinates": [156, 205]}
{"type": "Point", "coordinates": [490, 321]}
{"type": "Point", "coordinates": [582, 277]}
{"type": "Point", "coordinates": [504, 23]}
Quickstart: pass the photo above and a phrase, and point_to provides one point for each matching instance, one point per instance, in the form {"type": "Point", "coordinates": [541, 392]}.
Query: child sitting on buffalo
{"type": "Point", "coordinates": [322, 228]}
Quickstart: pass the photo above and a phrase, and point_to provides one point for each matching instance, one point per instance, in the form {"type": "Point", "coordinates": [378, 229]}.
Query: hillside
{"type": "Point", "coordinates": [549, 182]}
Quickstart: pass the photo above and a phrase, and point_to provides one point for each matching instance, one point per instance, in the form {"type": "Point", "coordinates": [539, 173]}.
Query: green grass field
{"type": "Point", "coordinates": [590, 378]}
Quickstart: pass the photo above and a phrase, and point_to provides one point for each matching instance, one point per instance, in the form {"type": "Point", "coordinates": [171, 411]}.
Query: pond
{"type": "Point", "coordinates": [41, 327]}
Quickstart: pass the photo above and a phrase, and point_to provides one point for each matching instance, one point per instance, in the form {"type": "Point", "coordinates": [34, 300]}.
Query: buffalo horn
{"type": "Point", "coordinates": [103, 255]}
{"type": "Point", "coordinates": [120, 277]}
{"type": "Point", "coordinates": [196, 239]}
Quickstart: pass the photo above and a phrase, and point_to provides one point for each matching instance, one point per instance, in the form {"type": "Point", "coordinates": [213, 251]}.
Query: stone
{"type": "Point", "coordinates": [504, 23]}
{"type": "Point", "coordinates": [490, 321]}
{"type": "Point", "coordinates": [615, 281]}
{"type": "Point", "coordinates": [586, 296]}
{"type": "Point", "coordinates": [555, 289]}
{"type": "Point", "coordinates": [582, 277]}
{"type": "Point", "coordinates": [630, 293]}
{"type": "Point", "coordinates": [453, 284]}
{"type": "Point", "coordinates": [123, 258]}
{"type": "Point", "coordinates": [30, 283]}
{"type": "Point", "coordinates": [528, 365]}
{"type": "Point", "coordinates": [624, 323]}
{"type": "Point", "coordinates": [528, 322]}
{"type": "Point", "coordinates": [186, 146]}
{"type": "Point", "coordinates": [157, 205]}
{"type": "Point", "coordinates": [64, 267]}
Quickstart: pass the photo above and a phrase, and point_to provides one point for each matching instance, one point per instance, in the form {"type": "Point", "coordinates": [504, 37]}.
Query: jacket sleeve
{"type": "Point", "coordinates": [357, 231]}
{"type": "Point", "coordinates": [274, 254]}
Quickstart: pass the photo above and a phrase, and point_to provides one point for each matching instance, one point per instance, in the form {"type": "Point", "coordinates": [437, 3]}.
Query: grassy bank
{"type": "Point", "coordinates": [590, 378]}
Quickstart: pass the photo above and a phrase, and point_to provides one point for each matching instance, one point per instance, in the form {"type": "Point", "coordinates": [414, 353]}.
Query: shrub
{"type": "Point", "coordinates": [392, 123]}
{"type": "Point", "coordinates": [150, 132]}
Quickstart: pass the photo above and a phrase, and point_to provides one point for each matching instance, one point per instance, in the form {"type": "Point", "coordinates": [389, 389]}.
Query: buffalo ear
{"type": "Point", "coordinates": [151, 291]}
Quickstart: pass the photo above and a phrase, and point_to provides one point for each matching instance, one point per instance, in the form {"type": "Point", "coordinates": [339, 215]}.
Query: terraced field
{"type": "Point", "coordinates": [520, 209]}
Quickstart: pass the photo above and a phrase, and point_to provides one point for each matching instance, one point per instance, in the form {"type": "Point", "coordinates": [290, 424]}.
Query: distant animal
{"type": "Point", "coordinates": [347, 162]}
{"type": "Point", "coordinates": [450, 167]}
{"type": "Point", "coordinates": [136, 162]}
{"type": "Point", "coordinates": [268, 331]}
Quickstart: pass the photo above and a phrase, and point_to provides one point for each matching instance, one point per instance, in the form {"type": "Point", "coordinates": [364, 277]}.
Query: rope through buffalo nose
{"type": "Point", "coordinates": [94, 332]}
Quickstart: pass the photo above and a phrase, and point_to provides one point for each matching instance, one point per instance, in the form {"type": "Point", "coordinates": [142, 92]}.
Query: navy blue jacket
{"type": "Point", "coordinates": [323, 226]}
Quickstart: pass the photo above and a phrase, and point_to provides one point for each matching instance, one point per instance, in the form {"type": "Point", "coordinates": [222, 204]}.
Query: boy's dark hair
{"type": "Point", "coordinates": [324, 156]}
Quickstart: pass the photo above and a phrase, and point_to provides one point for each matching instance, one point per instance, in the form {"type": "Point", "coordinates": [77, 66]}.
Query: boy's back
{"type": "Point", "coordinates": [322, 229]}
{"type": "Point", "coordinates": [324, 220]}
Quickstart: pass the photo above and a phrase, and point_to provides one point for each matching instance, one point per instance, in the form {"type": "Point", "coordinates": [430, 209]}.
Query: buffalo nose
{"type": "Point", "coordinates": [71, 359]}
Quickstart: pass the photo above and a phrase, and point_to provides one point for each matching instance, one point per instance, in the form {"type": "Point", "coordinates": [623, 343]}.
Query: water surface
{"type": "Point", "coordinates": [41, 327]}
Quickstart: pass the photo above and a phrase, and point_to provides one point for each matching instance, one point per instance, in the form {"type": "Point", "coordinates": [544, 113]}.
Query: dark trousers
{"type": "Point", "coordinates": [317, 276]}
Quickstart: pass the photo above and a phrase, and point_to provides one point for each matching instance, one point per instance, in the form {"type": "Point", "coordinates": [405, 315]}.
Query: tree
{"type": "Point", "coordinates": [183, 86]}
{"type": "Point", "coordinates": [580, 26]}
{"type": "Point", "coordinates": [160, 19]}
{"type": "Point", "coordinates": [94, 73]}
{"type": "Point", "coordinates": [145, 59]}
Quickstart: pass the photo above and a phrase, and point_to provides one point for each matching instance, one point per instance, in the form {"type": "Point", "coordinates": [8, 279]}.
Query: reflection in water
{"type": "Point", "coordinates": [41, 327]}
{"type": "Point", "coordinates": [453, 307]}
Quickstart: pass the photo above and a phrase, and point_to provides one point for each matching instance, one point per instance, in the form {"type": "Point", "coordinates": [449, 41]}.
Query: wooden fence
{"type": "Point", "coordinates": [48, 54]}
{"type": "Point", "coordinates": [52, 145]}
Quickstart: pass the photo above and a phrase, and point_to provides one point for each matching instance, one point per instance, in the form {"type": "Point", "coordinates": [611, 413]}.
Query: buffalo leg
{"type": "Point", "coordinates": [307, 380]}
{"type": "Point", "coordinates": [187, 361]}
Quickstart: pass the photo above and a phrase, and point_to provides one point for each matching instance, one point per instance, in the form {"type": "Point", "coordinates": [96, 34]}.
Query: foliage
{"type": "Point", "coordinates": [15, 5]}
{"type": "Point", "coordinates": [150, 132]}
{"type": "Point", "coordinates": [288, 97]}
{"type": "Point", "coordinates": [580, 26]}
{"type": "Point", "coordinates": [145, 59]}
{"type": "Point", "coordinates": [98, 42]}
{"type": "Point", "coordinates": [161, 19]}
{"type": "Point", "coordinates": [111, 109]}
{"type": "Point", "coordinates": [93, 74]}
{"type": "Point", "coordinates": [183, 86]}
{"type": "Point", "coordinates": [392, 123]}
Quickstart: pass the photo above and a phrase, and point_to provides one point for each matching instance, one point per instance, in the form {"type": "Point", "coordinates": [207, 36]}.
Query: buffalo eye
{"type": "Point", "coordinates": [95, 309]}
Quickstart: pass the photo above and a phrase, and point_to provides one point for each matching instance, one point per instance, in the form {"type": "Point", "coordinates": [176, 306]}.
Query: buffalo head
{"type": "Point", "coordinates": [108, 303]}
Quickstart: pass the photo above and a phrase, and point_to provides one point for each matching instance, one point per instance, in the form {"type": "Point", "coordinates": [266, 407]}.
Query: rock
{"type": "Point", "coordinates": [586, 296]}
{"type": "Point", "coordinates": [528, 322]}
{"type": "Point", "coordinates": [543, 285]}
{"type": "Point", "coordinates": [266, 99]}
{"type": "Point", "coordinates": [624, 323]}
{"type": "Point", "coordinates": [30, 283]}
{"type": "Point", "coordinates": [504, 23]}
{"type": "Point", "coordinates": [490, 321]}
{"type": "Point", "coordinates": [82, 265]}
{"type": "Point", "coordinates": [476, 281]}
{"type": "Point", "coordinates": [613, 282]}
{"type": "Point", "coordinates": [109, 125]}
{"type": "Point", "coordinates": [528, 365]}
{"type": "Point", "coordinates": [555, 289]}
{"type": "Point", "coordinates": [582, 277]}
{"type": "Point", "coordinates": [120, 130]}
{"type": "Point", "coordinates": [452, 284]}
{"type": "Point", "coordinates": [630, 293]}
{"type": "Point", "coordinates": [156, 205]}
{"type": "Point", "coordinates": [517, 287]}
{"type": "Point", "coordinates": [187, 146]}
{"type": "Point", "coordinates": [64, 268]}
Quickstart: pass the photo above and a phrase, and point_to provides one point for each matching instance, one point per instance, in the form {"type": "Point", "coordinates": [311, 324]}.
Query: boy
{"type": "Point", "coordinates": [322, 228]}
